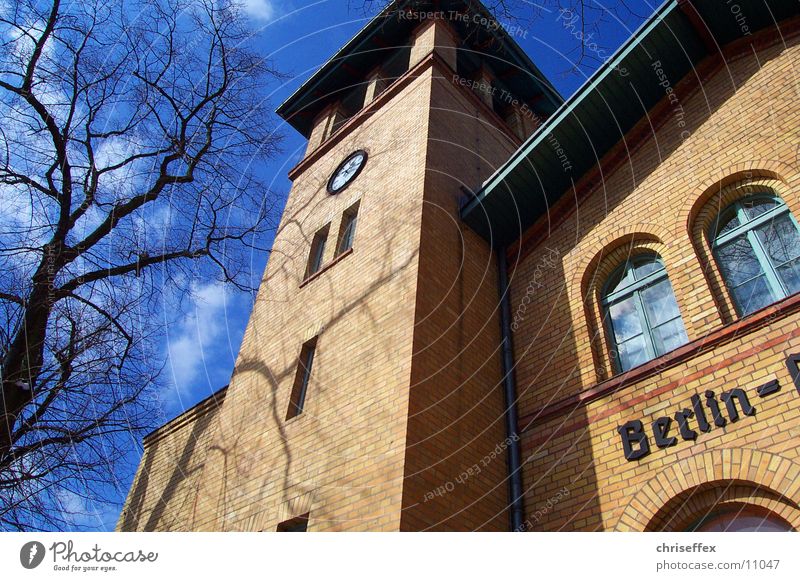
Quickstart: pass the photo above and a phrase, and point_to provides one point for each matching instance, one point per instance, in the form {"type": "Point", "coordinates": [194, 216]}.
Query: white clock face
{"type": "Point", "coordinates": [347, 171]}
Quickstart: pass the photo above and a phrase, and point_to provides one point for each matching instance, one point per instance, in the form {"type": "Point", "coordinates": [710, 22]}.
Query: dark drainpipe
{"type": "Point", "coordinates": [516, 501]}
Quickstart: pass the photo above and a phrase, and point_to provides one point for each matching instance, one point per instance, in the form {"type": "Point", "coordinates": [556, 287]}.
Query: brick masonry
{"type": "Point", "coordinates": [742, 119]}
{"type": "Point", "coordinates": [403, 399]}
{"type": "Point", "coordinates": [402, 428]}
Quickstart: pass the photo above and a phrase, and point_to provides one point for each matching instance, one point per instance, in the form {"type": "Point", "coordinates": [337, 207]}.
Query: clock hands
{"type": "Point", "coordinates": [347, 171]}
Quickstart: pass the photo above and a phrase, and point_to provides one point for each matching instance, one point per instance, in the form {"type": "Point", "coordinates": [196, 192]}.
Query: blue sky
{"type": "Point", "coordinates": [298, 36]}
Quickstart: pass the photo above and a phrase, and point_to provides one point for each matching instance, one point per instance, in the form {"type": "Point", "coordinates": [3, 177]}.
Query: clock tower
{"type": "Point", "coordinates": [367, 393]}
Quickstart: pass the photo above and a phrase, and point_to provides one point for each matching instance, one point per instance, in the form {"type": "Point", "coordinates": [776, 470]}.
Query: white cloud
{"type": "Point", "coordinates": [116, 150]}
{"type": "Point", "coordinates": [195, 345]}
{"type": "Point", "coordinates": [263, 10]}
{"type": "Point", "coordinates": [83, 513]}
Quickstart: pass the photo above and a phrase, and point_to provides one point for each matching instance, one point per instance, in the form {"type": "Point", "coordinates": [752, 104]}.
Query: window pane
{"type": "Point", "coordinates": [632, 353]}
{"type": "Point", "coordinates": [646, 316]}
{"type": "Point", "coordinates": [648, 266]}
{"type": "Point", "coordinates": [317, 252]}
{"type": "Point", "coordinates": [625, 320]}
{"type": "Point", "coordinates": [622, 280]}
{"type": "Point", "coordinates": [738, 261]}
{"type": "Point", "coordinates": [659, 303]}
{"type": "Point", "coordinates": [295, 525]}
{"type": "Point", "coordinates": [348, 231]}
{"type": "Point", "coordinates": [780, 239]}
{"type": "Point", "coordinates": [316, 256]}
{"type": "Point", "coordinates": [743, 519]}
{"type": "Point", "coordinates": [297, 398]}
{"type": "Point", "coordinates": [754, 208]}
{"type": "Point", "coordinates": [669, 336]}
{"type": "Point", "coordinates": [753, 295]}
{"type": "Point", "coordinates": [727, 222]}
{"type": "Point", "coordinates": [789, 274]}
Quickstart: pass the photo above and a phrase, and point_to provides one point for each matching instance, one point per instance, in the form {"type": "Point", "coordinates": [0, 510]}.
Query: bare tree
{"type": "Point", "coordinates": [129, 134]}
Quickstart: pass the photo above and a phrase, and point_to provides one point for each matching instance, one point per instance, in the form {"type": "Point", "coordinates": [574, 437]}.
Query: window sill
{"type": "Point", "coordinates": [327, 267]}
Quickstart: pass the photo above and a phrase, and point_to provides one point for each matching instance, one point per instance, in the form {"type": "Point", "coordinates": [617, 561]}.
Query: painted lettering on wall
{"type": "Point", "coordinates": [704, 412]}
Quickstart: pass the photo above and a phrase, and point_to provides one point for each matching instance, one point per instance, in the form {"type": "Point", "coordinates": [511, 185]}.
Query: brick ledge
{"type": "Point", "coordinates": [326, 267]}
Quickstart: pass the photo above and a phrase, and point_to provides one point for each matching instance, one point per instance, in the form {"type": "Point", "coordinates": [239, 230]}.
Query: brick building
{"type": "Point", "coordinates": [488, 308]}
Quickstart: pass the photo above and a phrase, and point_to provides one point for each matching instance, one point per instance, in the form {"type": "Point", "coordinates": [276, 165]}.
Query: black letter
{"type": "Point", "coordinates": [714, 407]}
{"type": "Point", "coordinates": [768, 388]}
{"type": "Point", "coordinates": [733, 414]}
{"type": "Point", "coordinates": [700, 414]}
{"type": "Point", "coordinates": [686, 432]}
{"type": "Point", "coordinates": [632, 433]}
{"type": "Point", "coordinates": [794, 369]}
{"type": "Point", "coordinates": [660, 431]}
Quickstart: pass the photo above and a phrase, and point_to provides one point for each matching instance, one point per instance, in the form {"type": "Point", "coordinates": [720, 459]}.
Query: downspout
{"type": "Point", "coordinates": [515, 498]}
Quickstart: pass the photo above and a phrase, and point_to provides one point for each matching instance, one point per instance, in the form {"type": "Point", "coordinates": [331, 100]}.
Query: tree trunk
{"type": "Point", "coordinates": [23, 362]}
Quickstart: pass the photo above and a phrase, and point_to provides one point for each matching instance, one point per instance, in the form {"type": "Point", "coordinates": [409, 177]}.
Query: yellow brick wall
{"type": "Point", "coordinates": [404, 392]}
{"type": "Point", "coordinates": [455, 480]}
{"type": "Point", "coordinates": [742, 124]}
{"type": "Point", "coordinates": [165, 487]}
{"type": "Point", "coordinates": [342, 458]}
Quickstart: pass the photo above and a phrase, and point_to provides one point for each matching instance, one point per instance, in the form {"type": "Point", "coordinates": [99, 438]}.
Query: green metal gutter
{"type": "Point", "coordinates": [570, 104]}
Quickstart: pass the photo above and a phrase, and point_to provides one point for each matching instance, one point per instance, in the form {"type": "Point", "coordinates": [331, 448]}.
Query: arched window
{"type": "Point", "coordinates": [641, 312]}
{"type": "Point", "coordinates": [756, 242]}
{"type": "Point", "coordinates": [744, 519]}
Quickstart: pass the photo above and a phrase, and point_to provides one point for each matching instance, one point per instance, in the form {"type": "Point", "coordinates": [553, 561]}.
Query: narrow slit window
{"type": "Point", "coordinates": [300, 388]}
{"type": "Point", "coordinates": [317, 253]}
{"type": "Point", "coordinates": [347, 231]}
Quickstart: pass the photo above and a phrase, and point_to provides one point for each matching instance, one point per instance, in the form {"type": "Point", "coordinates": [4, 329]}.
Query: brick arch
{"type": "Point", "coordinates": [726, 176]}
{"type": "Point", "coordinates": [591, 271]}
{"type": "Point", "coordinates": [701, 210]}
{"type": "Point", "coordinates": [776, 476]}
{"type": "Point", "coordinates": [685, 510]}
{"type": "Point", "coordinates": [596, 251]}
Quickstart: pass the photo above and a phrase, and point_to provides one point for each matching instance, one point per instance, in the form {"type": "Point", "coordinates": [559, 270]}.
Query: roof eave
{"type": "Point", "coordinates": [568, 106]}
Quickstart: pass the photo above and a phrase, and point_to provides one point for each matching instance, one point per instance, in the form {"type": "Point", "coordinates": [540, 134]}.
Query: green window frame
{"type": "Point", "coordinates": [347, 229]}
{"type": "Point", "coordinates": [756, 244]}
{"type": "Point", "coordinates": [317, 251]}
{"type": "Point", "coordinates": [640, 312]}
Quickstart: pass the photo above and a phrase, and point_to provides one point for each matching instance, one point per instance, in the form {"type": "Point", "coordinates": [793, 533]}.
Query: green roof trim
{"type": "Point", "coordinates": [606, 107]}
